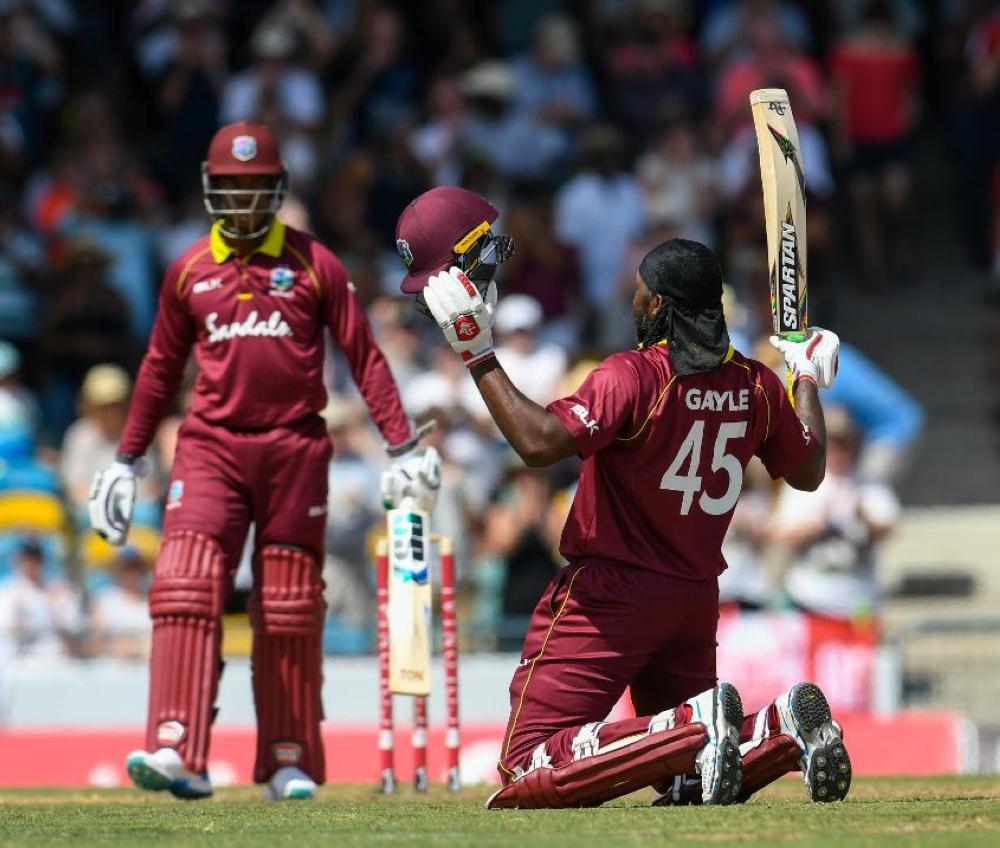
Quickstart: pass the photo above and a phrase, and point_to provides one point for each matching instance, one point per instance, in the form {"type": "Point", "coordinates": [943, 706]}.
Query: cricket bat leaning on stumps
{"type": "Point", "coordinates": [784, 187]}
{"type": "Point", "coordinates": [409, 607]}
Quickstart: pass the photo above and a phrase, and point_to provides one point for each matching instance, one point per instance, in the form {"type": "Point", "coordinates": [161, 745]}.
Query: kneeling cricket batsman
{"type": "Point", "coordinates": [665, 432]}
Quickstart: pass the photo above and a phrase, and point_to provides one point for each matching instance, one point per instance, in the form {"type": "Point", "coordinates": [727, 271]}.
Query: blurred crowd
{"type": "Point", "coordinates": [598, 128]}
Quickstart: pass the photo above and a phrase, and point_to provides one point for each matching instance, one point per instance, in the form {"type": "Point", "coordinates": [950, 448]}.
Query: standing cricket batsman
{"type": "Point", "coordinates": [252, 298]}
{"type": "Point", "coordinates": [665, 431]}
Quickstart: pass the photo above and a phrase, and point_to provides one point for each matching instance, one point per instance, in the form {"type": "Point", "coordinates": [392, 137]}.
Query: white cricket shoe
{"type": "Point", "coordinates": [164, 769]}
{"type": "Point", "coordinates": [719, 762]}
{"type": "Point", "coordinates": [826, 766]}
{"type": "Point", "coordinates": [290, 783]}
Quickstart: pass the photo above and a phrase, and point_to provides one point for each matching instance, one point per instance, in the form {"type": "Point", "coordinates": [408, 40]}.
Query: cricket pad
{"type": "Point", "coordinates": [287, 612]}
{"type": "Point", "coordinates": [609, 774]}
{"type": "Point", "coordinates": [772, 758]}
{"type": "Point", "coordinates": [185, 604]}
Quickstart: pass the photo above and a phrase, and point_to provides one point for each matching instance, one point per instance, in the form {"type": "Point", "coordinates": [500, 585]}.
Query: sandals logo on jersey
{"type": "Point", "coordinates": [170, 733]}
{"type": "Point", "coordinates": [244, 148]}
{"type": "Point", "coordinates": [282, 279]}
{"type": "Point", "coordinates": [174, 494]}
{"type": "Point", "coordinates": [403, 246]}
{"type": "Point", "coordinates": [253, 325]}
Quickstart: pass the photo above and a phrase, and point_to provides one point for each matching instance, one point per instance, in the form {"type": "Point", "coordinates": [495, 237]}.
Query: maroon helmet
{"type": "Point", "coordinates": [449, 226]}
{"type": "Point", "coordinates": [243, 149]}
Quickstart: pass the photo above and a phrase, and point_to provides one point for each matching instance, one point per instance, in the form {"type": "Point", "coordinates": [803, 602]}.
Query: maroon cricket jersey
{"type": "Point", "coordinates": [256, 325]}
{"type": "Point", "coordinates": [665, 455]}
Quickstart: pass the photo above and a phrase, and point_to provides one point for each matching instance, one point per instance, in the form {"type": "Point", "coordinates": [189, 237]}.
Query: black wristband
{"type": "Point", "coordinates": [124, 458]}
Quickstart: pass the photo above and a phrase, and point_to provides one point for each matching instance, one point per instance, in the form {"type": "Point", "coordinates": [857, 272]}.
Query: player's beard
{"type": "Point", "coordinates": [650, 329]}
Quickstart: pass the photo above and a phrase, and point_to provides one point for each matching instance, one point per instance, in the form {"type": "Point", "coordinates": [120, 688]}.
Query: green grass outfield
{"type": "Point", "coordinates": [942, 811]}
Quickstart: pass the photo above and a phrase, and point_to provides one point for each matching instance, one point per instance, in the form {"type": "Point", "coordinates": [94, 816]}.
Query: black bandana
{"type": "Point", "coordinates": [687, 276]}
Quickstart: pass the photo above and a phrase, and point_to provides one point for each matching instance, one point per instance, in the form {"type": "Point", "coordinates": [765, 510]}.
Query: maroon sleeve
{"type": "Point", "coordinates": [597, 412]}
{"type": "Point", "coordinates": [349, 325]}
{"type": "Point", "coordinates": [162, 367]}
{"type": "Point", "coordinates": [788, 442]}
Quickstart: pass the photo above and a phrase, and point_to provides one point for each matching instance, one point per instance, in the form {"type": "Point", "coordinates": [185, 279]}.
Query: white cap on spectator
{"type": "Point", "coordinates": [337, 412]}
{"type": "Point", "coordinates": [426, 391]}
{"type": "Point", "coordinates": [491, 78]}
{"type": "Point", "coordinates": [105, 384]}
{"type": "Point", "coordinates": [517, 312]}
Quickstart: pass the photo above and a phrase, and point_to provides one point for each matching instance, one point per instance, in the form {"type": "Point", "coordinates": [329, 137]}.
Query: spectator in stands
{"type": "Point", "coordinates": [518, 550]}
{"type": "Point", "coordinates": [728, 27]}
{"type": "Point", "coordinates": [85, 322]}
{"type": "Point", "coordinates": [538, 367]}
{"type": "Point", "coordinates": [92, 440]}
{"type": "Point", "coordinates": [678, 181]}
{"type": "Point", "coordinates": [31, 78]}
{"type": "Point", "coordinates": [552, 85]}
{"type": "Point", "coordinates": [875, 75]}
{"type": "Point", "coordinates": [437, 141]}
{"type": "Point", "coordinates": [746, 583]}
{"type": "Point", "coordinates": [651, 61]}
{"type": "Point", "coordinates": [543, 266]}
{"type": "Point", "coordinates": [119, 624]}
{"type": "Point", "coordinates": [770, 62]}
{"type": "Point", "coordinates": [354, 508]}
{"type": "Point", "coordinates": [376, 82]}
{"type": "Point", "coordinates": [21, 264]}
{"type": "Point", "coordinates": [40, 616]}
{"type": "Point", "coordinates": [514, 145]}
{"type": "Point", "coordinates": [189, 91]}
{"type": "Point", "coordinates": [831, 535]}
{"type": "Point", "coordinates": [600, 212]}
{"type": "Point", "coordinates": [279, 90]}
{"type": "Point", "coordinates": [16, 400]}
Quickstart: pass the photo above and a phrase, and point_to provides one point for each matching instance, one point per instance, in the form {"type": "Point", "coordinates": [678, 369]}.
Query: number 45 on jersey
{"type": "Point", "coordinates": [689, 482]}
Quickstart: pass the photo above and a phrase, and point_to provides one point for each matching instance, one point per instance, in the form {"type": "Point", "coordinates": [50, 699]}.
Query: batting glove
{"type": "Point", "coordinates": [463, 314]}
{"type": "Point", "coordinates": [413, 480]}
{"type": "Point", "coordinates": [112, 499]}
{"type": "Point", "coordinates": [816, 358]}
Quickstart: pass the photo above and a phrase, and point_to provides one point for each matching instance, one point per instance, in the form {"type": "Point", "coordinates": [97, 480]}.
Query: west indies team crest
{"type": "Point", "coordinates": [244, 148]}
{"type": "Point", "coordinates": [282, 279]}
{"type": "Point", "coordinates": [403, 246]}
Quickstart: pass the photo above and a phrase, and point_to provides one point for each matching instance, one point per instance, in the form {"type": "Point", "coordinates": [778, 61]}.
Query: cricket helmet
{"type": "Point", "coordinates": [450, 226]}
{"type": "Point", "coordinates": [243, 149]}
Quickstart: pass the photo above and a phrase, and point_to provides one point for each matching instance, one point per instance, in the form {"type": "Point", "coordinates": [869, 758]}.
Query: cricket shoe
{"type": "Point", "coordinates": [683, 791]}
{"type": "Point", "coordinates": [805, 716]}
{"type": "Point", "coordinates": [718, 762]}
{"type": "Point", "coordinates": [164, 769]}
{"type": "Point", "coordinates": [290, 783]}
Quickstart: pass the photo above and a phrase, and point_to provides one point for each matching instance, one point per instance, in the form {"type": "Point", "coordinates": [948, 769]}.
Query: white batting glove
{"type": "Point", "coordinates": [816, 358]}
{"type": "Point", "coordinates": [111, 501]}
{"type": "Point", "coordinates": [465, 316]}
{"type": "Point", "coordinates": [413, 480]}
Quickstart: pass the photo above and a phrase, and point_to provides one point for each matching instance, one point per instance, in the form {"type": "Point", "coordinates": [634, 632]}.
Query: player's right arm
{"type": "Point", "coordinates": [112, 494]}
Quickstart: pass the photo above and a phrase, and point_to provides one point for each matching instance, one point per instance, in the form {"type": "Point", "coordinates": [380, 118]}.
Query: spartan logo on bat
{"type": "Point", "coordinates": [789, 264]}
{"type": "Point", "coordinates": [791, 154]}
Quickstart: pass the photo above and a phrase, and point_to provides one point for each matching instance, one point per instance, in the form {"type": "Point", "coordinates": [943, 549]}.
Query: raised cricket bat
{"type": "Point", "coordinates": [784, 187]}
{"type": "Point", "coordinates": [409, 608]}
